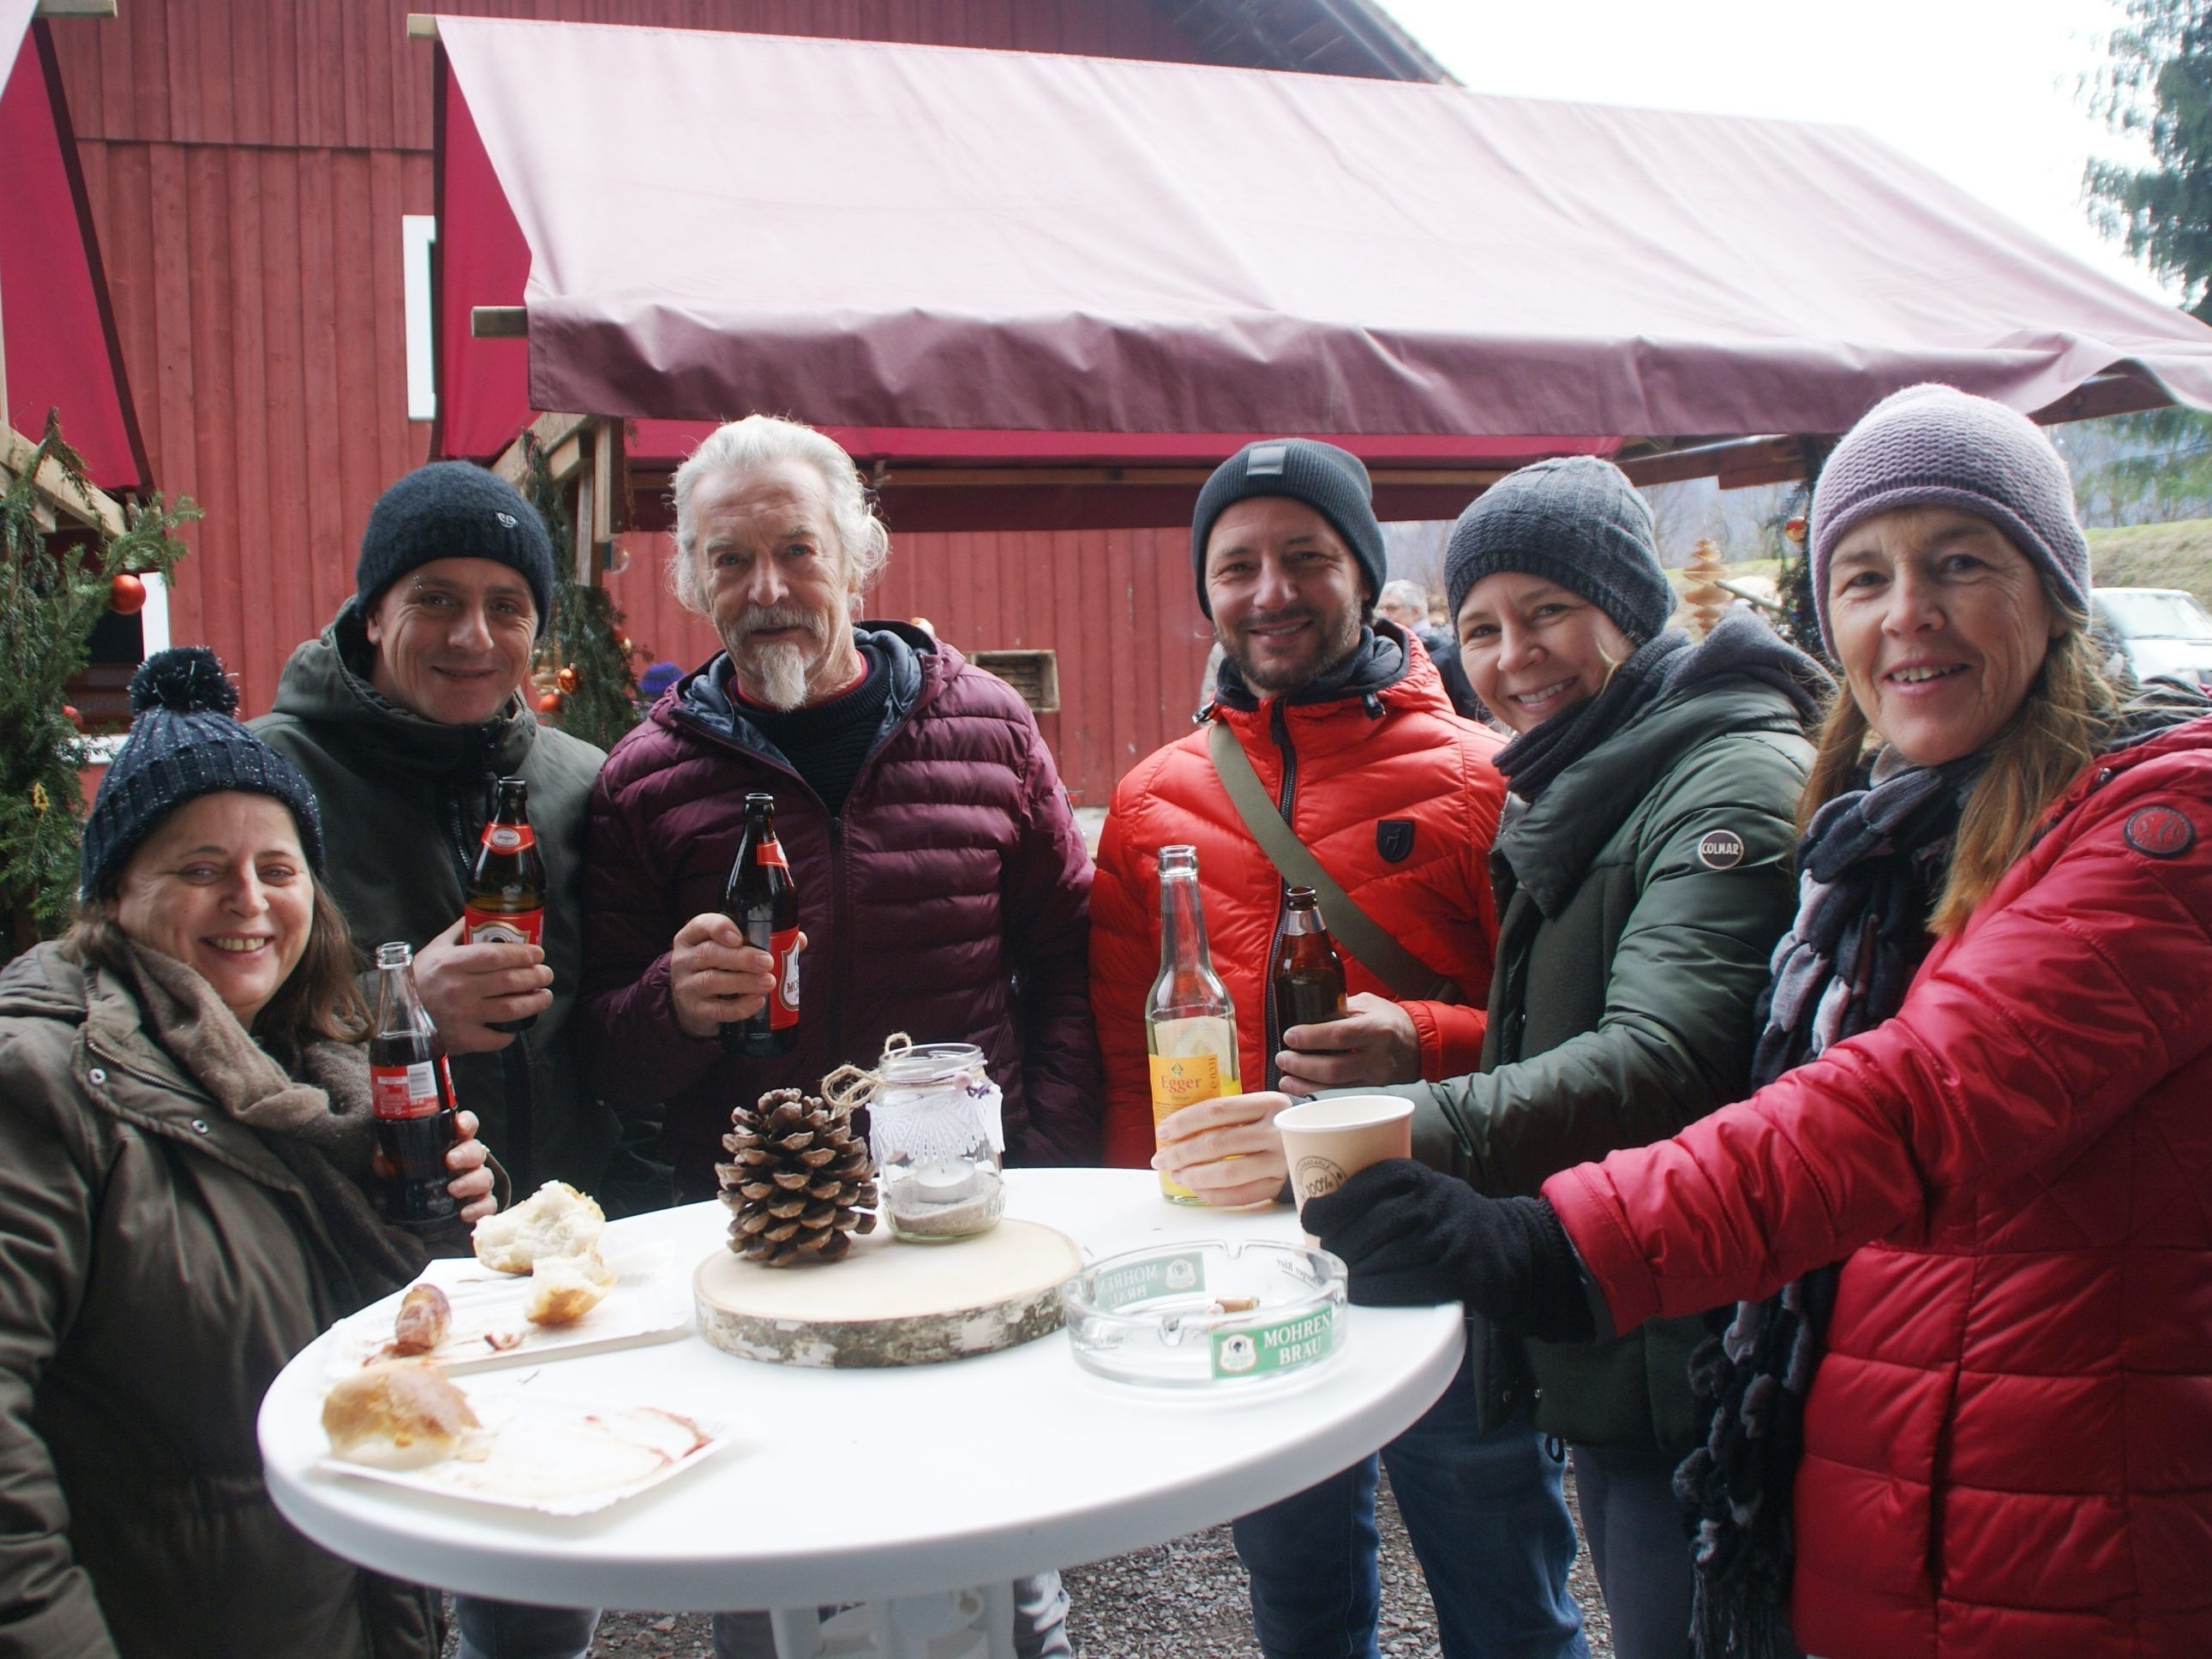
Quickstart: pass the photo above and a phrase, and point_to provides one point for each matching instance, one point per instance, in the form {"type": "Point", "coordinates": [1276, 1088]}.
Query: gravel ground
{"type": "Point", "coordinates": [1180, 1601]}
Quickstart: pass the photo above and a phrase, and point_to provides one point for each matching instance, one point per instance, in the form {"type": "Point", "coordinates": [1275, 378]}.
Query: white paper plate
{"type": "Point", "coordinates": [647, 1303]}
{"type": "Point", "coordinates": [556, 1456]}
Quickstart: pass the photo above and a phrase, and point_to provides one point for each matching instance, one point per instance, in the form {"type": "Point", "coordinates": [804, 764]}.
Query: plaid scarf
{"type": "Point", "coordinates": [1870, 868]}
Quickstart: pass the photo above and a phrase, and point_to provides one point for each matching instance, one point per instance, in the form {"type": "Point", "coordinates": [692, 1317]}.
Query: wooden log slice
{"type": "Point", "coordinates": [891, 1303]}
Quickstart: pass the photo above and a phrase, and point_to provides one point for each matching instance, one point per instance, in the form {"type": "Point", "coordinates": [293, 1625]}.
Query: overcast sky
{"type": "Point", "coordinates": [1983, 91]}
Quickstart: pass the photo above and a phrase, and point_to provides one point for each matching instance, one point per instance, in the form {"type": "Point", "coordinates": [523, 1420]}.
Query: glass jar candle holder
{"type": "Point", "coordinates": [928, 1128]}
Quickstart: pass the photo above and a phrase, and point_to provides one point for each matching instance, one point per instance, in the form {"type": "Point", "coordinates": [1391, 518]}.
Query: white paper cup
{"type": "Point", "coordinates": [1326, 1142]}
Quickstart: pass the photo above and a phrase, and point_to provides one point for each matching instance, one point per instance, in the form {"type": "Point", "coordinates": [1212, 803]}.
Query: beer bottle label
{"type": "Point", "coordinates": [783, 1001]}
{"type": "Point", "coordinates": [1181, 1080]}
{"type": "Point", "coordinates": [407, 1091]}
{"type": "Point", "coordinates": [502, 927]}
{"type": "Point", "coordinates": [770, 852]}
{"type": "Point", "coordinates": [509, 837]}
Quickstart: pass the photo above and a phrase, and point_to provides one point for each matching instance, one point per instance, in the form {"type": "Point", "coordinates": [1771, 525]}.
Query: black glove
{"type": "Point", "coordinates": [1411, 1236]}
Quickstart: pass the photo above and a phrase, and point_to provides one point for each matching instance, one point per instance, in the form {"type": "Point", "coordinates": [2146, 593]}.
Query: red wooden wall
{"type": "Point", "coordinates": [248, 162]}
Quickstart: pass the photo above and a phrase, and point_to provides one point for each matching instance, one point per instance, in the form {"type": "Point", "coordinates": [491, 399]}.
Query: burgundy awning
{"type": "Point", "coordinates": [57, 336]}
{"type": "Point", "coordinates": [961, 253]}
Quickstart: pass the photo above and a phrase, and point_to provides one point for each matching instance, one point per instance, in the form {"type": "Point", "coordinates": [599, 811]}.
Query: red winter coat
{"type": "Point", "coordinates": [955, 866]}
{"type": "Point", "coordinates": [1360, 769]}
{"type": "Point", "coordinates": [2008, 1443]}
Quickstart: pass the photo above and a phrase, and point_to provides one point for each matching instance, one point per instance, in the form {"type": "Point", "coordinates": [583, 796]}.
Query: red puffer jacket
{"type": "Point", "coordinates": [955, 866]}
{"type": "Point", "coordinates": [1394, 793]}
{"type": "Point", "coordinates": [2008, 1444]}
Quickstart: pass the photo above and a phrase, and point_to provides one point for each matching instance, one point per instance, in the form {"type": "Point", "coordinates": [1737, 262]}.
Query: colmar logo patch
{"type": "Point", "coordinates": [1393, 839]}
{"type": "Point", "coordinates": [2159, 832]}
{"type": "Point", "coordinates": [1720, 849]}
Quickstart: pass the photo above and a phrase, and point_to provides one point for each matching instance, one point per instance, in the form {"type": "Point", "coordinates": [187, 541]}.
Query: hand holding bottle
{"type": "Point", "coordinates": [1374, 1043]}
{"type": "Point", "coordinates": [1225, 1150]}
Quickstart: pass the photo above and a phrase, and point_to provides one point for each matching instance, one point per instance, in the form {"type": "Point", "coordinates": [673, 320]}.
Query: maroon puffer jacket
{"type": "Point", "coordinates": [950, 900]}
{"type": "Point", "coordinates": [2009, 1443]}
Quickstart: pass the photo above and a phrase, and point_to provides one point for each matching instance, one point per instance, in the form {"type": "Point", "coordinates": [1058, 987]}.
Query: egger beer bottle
{"type": "Point", "coordinates": [505, 903]}
{"type": "Point", "coordinates": [411, 1097]}
{"type": "Point", "coordinates": [763, 900]}
{"type": "Point", "coordinates": [1190, 1024]}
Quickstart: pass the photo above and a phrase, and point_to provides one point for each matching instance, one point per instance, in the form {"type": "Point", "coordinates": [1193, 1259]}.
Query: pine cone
{"type": "Point", "coordinates": [802, 1179]}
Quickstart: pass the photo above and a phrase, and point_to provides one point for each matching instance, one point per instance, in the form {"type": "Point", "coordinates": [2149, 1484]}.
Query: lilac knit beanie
{"type": "Point", "coordinates": [1936, 445]}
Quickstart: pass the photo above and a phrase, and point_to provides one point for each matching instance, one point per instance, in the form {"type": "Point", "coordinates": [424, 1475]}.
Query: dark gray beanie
{"type": "Point", "coordinates": [1936, 445]}
{"type": "Point", "coordinates": [1575, 521]}
{"type": "Point", "coordinates": [453, 510]}
{"type": "Point", "coordinates": [1333, 482]}
{"type": "Point", "coordinates": [184, 743]}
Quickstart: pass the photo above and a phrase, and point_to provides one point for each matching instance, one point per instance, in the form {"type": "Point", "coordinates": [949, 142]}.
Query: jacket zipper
{"type": "Point", "coordinates": [1280, 729]}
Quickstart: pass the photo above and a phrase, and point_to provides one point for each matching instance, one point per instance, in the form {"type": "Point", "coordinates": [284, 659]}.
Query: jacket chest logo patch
{"type": "Point", "coordinates": [1393, 839]}
{"type": "Point", "coordinates": [1720, 849]}
{"type": "Point", "coordinates": [2159, 832]}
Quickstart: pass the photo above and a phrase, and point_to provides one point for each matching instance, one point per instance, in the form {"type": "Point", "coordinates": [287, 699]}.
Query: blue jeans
{"type": "Point", "coordinates": [1634, 1525]}
{"type": "Point", "coordinates": [1487, 1521]}
{"type": "Point", "coordinates": [509, 1629]}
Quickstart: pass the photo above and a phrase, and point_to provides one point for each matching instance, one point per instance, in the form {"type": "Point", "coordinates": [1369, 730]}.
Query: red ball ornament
{"type": "Point", "coordinates": [566, 679]}
{"type": "Point", "coordinates": [550, 703]}
{"type": "Point", "coordinates": [126, 594]}
{"type": "Point", "coordinates": [1794, 530]}
{"type": "Point", "coordinates": [69, 714]}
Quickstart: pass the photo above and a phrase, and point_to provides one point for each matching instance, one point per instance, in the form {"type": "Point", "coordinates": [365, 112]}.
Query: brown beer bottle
{"type": "Point", "coordinates": [762, 899]}
{"type": "Point", "coordinates": [411, 1096]}
{"type": "Point", "coordinates": [505, 903]}
{"type": "Point", "coordinates": [1308, 978]}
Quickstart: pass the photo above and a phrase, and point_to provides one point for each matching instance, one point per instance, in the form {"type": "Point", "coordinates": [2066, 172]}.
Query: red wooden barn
{"type": "Point", "coordinates": [253, 167]}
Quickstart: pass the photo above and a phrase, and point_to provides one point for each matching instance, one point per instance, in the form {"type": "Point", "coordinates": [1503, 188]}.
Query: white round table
{"type": "Point", "coordinates": [848, 1485]}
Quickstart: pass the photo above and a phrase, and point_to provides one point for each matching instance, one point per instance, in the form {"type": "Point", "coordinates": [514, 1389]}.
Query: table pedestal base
{"type": "Point", "coordinates": [972, 1624]}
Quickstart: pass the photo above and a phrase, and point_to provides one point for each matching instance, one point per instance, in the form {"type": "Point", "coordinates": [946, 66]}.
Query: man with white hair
{"type": "Point", "coordinates": [1407, 604]}
{"type": "Point", "coordinates": [943, 890]}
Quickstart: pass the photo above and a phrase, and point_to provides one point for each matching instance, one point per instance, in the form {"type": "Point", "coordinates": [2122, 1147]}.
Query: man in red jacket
{"type": "Point", "coordinates": [1345, 719]}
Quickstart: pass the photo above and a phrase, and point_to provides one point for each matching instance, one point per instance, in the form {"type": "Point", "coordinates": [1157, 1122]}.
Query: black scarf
{"type": "Point", "coordinates": [1535, 758]}
{"type": "Point", "coordinates": [1869, 869]}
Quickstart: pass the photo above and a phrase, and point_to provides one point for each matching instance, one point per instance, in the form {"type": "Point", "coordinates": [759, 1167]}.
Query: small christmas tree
{"type": "Point", "coordinates": [1707, 599]}
{"type": "Point", "coordinates": [585, 679]}
{"type": "Point", "coordinates": [54, 586]}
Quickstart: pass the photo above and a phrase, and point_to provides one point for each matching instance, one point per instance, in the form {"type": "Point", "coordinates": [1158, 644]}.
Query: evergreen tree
{"type": "Point", "coordinates": [2156, 84]}
{"type": "Point", "coordinates": [53, 588]}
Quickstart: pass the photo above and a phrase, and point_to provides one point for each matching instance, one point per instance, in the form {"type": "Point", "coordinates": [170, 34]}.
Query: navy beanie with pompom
{"type": "Point", "coordinates": [184, 743]}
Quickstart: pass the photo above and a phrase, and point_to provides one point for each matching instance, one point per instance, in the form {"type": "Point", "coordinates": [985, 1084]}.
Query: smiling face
{"type": "Point", "coordinates": [1287, 594]}
{"type": "Point", "coordinates": [775, 576]}
{"type": "Point", "coordinates": [1940, 625]}
{"type": "Point", "coordinates": [1533, 648]}
{"type": "Point", "coordinates": [452, 638]}
{"type": "Point", "coordinates": [223, 886]}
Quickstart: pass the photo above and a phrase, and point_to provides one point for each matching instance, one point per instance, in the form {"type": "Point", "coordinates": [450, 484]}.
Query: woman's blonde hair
{"type": "Point", "coordinates": [318, 998]}
{"type": "Point", "coordinates": [2065, 720]}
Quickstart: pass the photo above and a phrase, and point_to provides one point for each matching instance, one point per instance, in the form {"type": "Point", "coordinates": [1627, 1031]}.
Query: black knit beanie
{"type": "Point", "coordinates": [1575, 521]}
{"type": "Point", "coordinates": [1333, 482]}
{"type": "Point", "coordinates": [184, 743]}
{"type": "Point", "coordinates": [453, 510]}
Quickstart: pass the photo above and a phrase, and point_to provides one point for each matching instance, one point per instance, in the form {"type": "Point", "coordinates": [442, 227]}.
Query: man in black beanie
{"type": "Point", "coordinates": [402, 714]}
{"type": "Point", "coordinates": [1345, 729]}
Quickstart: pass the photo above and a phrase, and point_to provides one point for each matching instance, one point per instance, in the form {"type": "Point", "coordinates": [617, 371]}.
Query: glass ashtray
{"type": "Point", "coordinates": [1193, 1316]}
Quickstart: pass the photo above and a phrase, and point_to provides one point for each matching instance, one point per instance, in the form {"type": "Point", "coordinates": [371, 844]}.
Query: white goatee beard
{"type": "Point", "coordinates": [779, 675]}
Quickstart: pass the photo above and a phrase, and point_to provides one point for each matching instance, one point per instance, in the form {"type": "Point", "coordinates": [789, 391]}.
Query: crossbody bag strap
{"type": "Point", "coordinates": [1409, 978]}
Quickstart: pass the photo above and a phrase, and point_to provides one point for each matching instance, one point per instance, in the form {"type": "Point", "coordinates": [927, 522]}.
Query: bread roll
{"type": "Point", "coordinates": [398, 1415]}
{"type": "Point", "coordinates": [554, 1220]}
{"type": "Point", "coordinates": [564, 1288]}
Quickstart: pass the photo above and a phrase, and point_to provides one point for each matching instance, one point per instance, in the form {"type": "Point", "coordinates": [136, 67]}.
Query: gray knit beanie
{"type": "Point", "coordinates": [185, 743]}
{"type": "Point", "coordinates": [1936, 445]}
{"type": "Point", "coordinates": [453, 510]}
{"type": "Point", "coordinates": [1575, 521]}
{"type": "Point", "coordinates": [1333, 482]}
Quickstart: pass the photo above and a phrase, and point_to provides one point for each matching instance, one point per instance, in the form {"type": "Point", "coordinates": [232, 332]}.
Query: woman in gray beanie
{"type": "Point", "coordinates": [1963, 1406]}
{"type": "Point", "coordinates": [185, 1134]}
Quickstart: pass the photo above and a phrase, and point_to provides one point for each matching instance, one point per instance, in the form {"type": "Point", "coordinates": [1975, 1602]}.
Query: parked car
{"type": "Point", "coordinates": [2156, 633]}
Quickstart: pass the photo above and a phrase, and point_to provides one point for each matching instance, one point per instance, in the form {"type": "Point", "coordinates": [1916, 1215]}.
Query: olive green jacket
{"type": "Point", "coordinates": [404, 801]}
{"type": "Point", "coordinates": [160, 1262]}
{"type": "Point", "coordinates": [1639, 898]}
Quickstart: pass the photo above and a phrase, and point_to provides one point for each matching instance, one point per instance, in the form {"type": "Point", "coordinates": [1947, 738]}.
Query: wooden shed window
{"type": "Point", "coordinates": [1034, 674]}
